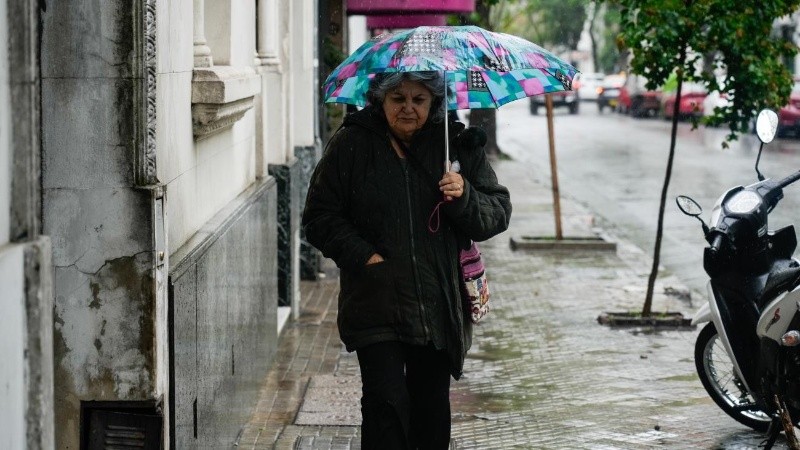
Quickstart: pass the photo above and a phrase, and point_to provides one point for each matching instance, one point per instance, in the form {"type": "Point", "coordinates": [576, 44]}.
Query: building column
{"type": "Point", "coordinates": [267, 40]}
{"type": "Point", "coordinates": [202, 52]}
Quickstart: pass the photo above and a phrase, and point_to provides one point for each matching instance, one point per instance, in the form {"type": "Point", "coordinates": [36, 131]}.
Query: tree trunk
{"type": "Point", "coordinates": [487, 120]}
{"type": "Point", "coordinates": [592, 38]}
{"type": "Point", "coordinates": [651, 282]}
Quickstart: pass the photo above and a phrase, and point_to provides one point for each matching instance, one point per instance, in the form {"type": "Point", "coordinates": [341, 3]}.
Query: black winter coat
{"type": "Point", "coordinates": [363, 199]}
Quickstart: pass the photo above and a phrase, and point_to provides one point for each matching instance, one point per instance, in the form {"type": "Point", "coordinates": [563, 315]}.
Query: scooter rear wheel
{"type": "Point", "coordinates": [717, 374]}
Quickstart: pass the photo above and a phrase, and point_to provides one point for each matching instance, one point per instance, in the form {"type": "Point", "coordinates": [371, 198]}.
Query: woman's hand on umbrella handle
{"type": "Point", "coordinates": [452, 186]}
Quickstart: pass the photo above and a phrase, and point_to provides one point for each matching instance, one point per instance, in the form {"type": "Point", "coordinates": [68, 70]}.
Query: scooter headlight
{"type": "Point", "coordinates": [743, 202]}
{"type": "Point", "coordinates": [791, 338]}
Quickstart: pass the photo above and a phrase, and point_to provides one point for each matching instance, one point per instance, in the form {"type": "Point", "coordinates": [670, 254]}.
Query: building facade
{"type": "Point", "coordinates": [26, 274]}
{"type": "Point", "coordinates": [150, 248]}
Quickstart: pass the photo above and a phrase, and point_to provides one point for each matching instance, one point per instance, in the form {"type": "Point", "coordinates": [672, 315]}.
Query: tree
{"type": "Point", "coordinates": [553, 24]}
{"type": "Point", "coordinates": [610, 58]}
{"type": "Point", "coordinates": [671, 36]}
{"type": "Point", "coordinates": [484, 118]}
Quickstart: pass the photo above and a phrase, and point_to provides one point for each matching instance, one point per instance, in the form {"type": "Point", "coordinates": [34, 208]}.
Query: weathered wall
{"type": "Point", "coordinates": [12, 348]}
{"type": "Point", "coordinates": [224, 320]}
{"type": "Point", "coordinates": [12, 344]}
{"type": "Point", "coordinates": [5, 131]}
{"type": "Point", "coordinates": [26, 376]}
{"type": "Point", "coordinates": [39, 344]}
{"type": "Point", "coordinates": [98, 208]}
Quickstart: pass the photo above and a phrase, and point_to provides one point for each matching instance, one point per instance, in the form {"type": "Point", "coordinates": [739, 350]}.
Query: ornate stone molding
{"type": "Point", "coordinates": [145, 171]}
{"type": "Point", "coordinates": [221, 95]}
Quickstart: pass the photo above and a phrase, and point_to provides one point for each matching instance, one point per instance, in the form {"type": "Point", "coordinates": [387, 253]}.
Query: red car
{"type": "Point", "coordinates": [789, 115]}
{"type": "Point", "coordinates": [691, 105]}
{"type": "Point", "coordinates": [639, 104]}
{"type": "Point", "coordinates": [636, 100]}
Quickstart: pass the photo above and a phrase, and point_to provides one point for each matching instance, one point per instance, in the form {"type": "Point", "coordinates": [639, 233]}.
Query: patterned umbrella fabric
{"type": "Point", "coordinates": [483, 69]}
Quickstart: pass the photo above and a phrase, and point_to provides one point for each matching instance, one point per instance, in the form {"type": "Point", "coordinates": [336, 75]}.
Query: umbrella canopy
{"type": "Point", "coordinates": [482, 69]}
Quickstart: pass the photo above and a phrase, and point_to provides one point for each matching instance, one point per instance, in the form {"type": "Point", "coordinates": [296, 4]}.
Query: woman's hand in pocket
{"type": "Point", "coordinates": [374, 259]}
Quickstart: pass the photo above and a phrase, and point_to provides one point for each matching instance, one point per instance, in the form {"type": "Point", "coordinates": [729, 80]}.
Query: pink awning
{"type": "Point", "coordinates": [384, 7]}
{"type": "Point", "coordinates": [405, 21]}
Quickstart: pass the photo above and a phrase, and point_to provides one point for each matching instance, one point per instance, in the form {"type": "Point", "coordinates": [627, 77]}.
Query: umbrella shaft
{"type": "Point", "coordinates": [446, 131]}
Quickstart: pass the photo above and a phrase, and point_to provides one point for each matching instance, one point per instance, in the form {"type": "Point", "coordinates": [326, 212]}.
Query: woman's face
{"type": "Point", "coordinates": [407, 107]}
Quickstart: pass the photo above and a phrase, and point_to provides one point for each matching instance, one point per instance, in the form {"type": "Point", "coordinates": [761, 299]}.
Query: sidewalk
{"type": "Point", "coordinates": [542, 374]}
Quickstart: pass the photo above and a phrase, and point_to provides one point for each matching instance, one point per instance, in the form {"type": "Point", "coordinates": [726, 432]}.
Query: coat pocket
{"type": "Point", "coordinates": [371, 300]}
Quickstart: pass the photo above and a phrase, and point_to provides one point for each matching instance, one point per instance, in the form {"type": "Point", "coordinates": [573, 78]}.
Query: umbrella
{"type": "Point", "coordinates": [481, 69]}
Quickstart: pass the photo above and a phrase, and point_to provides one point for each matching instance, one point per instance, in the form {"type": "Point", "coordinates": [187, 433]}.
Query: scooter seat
{"type": "Point", "coordinates": [784, 275]}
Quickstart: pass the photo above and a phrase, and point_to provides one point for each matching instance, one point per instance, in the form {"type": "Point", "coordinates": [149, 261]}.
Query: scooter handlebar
{"type": "Point", "coordinates": [789, 180]}
{"type": "Point", "coordinates": [716, 243]}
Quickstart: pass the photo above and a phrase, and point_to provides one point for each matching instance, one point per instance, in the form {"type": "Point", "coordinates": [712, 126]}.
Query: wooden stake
{"type": "Point", "coordinates": [553, 167]}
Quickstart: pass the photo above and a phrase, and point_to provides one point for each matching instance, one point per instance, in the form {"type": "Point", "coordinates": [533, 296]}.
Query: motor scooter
{"type": "Point", "coordinates": [748, 354]}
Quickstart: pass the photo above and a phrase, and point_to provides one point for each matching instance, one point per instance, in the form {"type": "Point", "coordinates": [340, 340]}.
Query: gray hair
{"type": "Point", "coordinates": [385, 82]}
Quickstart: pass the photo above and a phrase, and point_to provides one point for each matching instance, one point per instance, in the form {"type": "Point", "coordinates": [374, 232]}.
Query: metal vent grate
{"type": "Point", "coordinates": [117, 436]}
{"type": "Point", "coordinates": [121, 429]}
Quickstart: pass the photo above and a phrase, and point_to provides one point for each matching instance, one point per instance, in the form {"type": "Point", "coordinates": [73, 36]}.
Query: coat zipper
{"type": "Point", "coordinates": [423, 314]}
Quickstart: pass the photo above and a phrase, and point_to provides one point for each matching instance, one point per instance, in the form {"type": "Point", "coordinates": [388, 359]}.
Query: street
{"type": "Point", "coordinates": [615, 164]}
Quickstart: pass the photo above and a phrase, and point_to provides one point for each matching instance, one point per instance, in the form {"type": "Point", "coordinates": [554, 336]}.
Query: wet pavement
{"type": "Point", "coordinates": [542, 373]}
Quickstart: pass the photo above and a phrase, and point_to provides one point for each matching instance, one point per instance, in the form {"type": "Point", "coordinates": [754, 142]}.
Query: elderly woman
{"type": "Point", "coordinates": [368, 209]}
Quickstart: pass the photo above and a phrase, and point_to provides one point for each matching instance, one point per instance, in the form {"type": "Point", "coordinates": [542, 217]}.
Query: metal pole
{"type": "Point", "coordinates": [446, 133]}
{"type": "Point", "coordinates": [553, 167]}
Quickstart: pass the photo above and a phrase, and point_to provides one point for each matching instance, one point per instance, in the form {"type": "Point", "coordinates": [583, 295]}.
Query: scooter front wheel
{"type": "Point", "coordinates": [718, 376]}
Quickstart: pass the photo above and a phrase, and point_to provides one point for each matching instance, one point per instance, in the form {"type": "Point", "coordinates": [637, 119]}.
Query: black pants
{"type": "Point", "coordinates": [405, 401]}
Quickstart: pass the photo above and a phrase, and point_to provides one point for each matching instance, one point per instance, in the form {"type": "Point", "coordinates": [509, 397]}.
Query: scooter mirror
{"type": "Point", "coordinates": [766, 125]}
{"type": "Point", "coordinates": [688, 206]}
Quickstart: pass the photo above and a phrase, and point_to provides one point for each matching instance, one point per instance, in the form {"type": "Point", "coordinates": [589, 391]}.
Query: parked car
{"type": "Point", "coordinates": [608, 92]}
{"type": "Point", "coordinates": [589, 85]}
{"type": "Point", "coordinates": [691, 105]}
{"type": "Point", "coordinates": [789, 115]}
{"type": "Point", "coordinates": [570, 99]}
{"type": "Point", "coordinates": [635, 99]}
